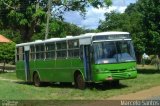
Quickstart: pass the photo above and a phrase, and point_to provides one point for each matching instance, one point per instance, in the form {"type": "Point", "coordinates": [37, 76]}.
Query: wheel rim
{"type": "Point", "coordinates": [36, 80]}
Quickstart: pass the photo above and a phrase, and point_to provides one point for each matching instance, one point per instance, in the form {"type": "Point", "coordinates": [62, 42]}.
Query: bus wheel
{"type": "Point", "coordinates": [79, 82]}
{"type": "Point", "coordinates": [36, 80]}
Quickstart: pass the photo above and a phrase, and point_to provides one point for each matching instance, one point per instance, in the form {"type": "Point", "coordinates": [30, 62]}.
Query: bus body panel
{"type": "Point", "coordinates": [56, 70]}
{"type": "Point", "coordinates": [119, 71]}
{"type": "Point", "coordinates": [20, 72]}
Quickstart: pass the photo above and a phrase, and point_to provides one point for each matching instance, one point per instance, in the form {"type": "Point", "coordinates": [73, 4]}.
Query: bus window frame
{"type": "Point", "coordinates": [40, 52]}
{"type": "Point", "coordinates": [61, 49]}
{"type": "Point", "coordinates": [50, 51]}
{"type": "Point", "coordinates": [72, 48]}
{"type": "Point", "coordinates": [20, 55]}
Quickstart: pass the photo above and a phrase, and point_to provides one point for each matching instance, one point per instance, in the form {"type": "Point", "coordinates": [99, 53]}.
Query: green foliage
{"type": "Point", "coordinates": [29, 16]}
{"type": "Point", "coordinates": [59, 29]}
{"type": "Point", "coordinates": [142, 21]}
{"type": "Point", "coordinates": [154, 60]}
{"type": "Point", "coordinates": [7, 51]}
{"type": "Point", "coordinates": [11, 34]}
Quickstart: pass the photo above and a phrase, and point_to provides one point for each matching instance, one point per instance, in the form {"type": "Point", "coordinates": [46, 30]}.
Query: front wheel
{"type": "Point", "coordinates": [36, 80]}
{"type": "Point", "coordinates": [79, 82]}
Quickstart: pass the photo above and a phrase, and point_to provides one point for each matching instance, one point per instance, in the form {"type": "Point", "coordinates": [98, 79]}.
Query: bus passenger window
{"type": "Point", "coordinates": [61, 54]}
{"type": "Point", "coordinates": [32, 53]}
{"type": "Point", "coordinates": [40, 51]}
{"type": "Point", "coordinates": [20, 53]}
{"type": "Point", "coordinates": [50, 50]}
{"type": "Point", "coordinates": [73, 53]}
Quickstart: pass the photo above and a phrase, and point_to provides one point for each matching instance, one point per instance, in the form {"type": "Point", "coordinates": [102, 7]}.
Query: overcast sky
{"type": "Point", "coordinates": [94, 15]}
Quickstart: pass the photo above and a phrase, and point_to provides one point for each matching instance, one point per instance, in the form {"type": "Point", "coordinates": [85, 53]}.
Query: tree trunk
{"type": "Point", "coordinates": [157, 61]}
{"type": "Point", "coordinates": [27, 32]}
{"type": "Point", "coordinates": [4, 63]}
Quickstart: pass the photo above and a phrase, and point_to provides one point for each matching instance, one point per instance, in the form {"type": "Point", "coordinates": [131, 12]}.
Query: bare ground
{"type": "Point", "coordinates": [141, 95]}
{"type": "Point", "coordinates": [116, 100]}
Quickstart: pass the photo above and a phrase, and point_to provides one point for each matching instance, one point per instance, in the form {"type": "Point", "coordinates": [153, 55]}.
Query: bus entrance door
{"type": "Point", "coordinates": [87, 62]}
{"type": "Point", "coordinates": [26, 63]}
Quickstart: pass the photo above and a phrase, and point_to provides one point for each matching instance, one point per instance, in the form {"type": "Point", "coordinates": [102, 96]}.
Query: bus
{"type": "Point", "coordinates": [91, 57]}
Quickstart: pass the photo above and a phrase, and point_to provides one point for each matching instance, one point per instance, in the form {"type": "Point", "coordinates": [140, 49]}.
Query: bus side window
{"type": "Point", "coordinates": [20, 53]}
{"type": "Point", "coordinates": [50, 51]}
{"type": "Point", "coordinates": [73, 48]}
{"type": "Point", "coordinates": [40, 51]}
{"type": "Point", "coordinates": [61, 51]}
{"type": "Point", "coordinates": [32, 52]}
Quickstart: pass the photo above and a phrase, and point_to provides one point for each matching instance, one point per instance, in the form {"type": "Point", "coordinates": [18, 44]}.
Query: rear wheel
{"type": "Point", "coordinates": [79, 82]}
{"type": "Point", "coordinates": [36, 80]}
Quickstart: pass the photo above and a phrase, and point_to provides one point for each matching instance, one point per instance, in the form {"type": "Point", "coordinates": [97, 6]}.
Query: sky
{"type": "Point", "coordinates": [94, 15]}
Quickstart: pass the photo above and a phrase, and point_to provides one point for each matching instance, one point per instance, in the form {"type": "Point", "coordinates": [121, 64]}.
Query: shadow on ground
{"type": "Point", "coordinates": [92, 86]}
{"type": "Point", "coordinates": [148, 71]}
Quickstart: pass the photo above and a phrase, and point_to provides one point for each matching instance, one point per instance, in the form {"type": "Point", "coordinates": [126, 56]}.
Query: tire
{"type": "Point", "coordinates": [79, 82]}
{"type": "Point", "coordinates": [36, 80]}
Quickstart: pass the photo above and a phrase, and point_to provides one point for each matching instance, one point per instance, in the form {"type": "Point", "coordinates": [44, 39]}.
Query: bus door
{"type": "Point", "coordinates": [87, 62]}
{"type": "Point", "coordinates": [26, 62]}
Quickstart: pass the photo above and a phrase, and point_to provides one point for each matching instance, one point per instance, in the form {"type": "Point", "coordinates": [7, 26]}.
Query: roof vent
{"type": "Point", "coordinates": [54, 38]}
{"type": "Point", "coordinates": [38, 41]}
{"type": "Point", "coordinates": [69, 36]}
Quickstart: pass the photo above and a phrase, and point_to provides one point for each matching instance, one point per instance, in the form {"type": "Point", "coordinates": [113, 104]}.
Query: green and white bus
{"type": "Point", "coordinates": [91, 57]}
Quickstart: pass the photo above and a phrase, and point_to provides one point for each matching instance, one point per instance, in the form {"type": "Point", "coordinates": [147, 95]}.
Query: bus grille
{"type": "Point", "coordinates": [120, 75]}
{"type": "Point", "coordinates": [118, 71]}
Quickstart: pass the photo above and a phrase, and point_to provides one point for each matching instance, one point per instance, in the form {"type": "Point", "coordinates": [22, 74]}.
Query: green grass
{"type": "Point", "coordinates": [10, 75]}
{"type": "Point", "coordinates": [23, 91]}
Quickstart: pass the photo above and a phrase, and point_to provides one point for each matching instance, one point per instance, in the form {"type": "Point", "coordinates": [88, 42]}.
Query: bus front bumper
{"type": "Point", "coordinates": [100, 77]}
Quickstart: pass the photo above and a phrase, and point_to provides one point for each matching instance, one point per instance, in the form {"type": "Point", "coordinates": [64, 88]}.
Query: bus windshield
{"type": "Point", "coordinates": [113, 51]}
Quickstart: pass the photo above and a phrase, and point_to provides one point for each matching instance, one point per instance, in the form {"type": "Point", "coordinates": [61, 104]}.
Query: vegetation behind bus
{"type": "Point", "coordinates": [141, 20]}
{"type": "Point", "coordinates": [7, 53]}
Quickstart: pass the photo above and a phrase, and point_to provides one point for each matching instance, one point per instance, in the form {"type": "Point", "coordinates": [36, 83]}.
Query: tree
{"type": "Point", "coordinates": [11, 34]}
{"type": "Point", "coordinates": [26, 16]}
{"type": "Point", "coordinates": [7, 53]}
{"type": "Point", "coordinates": [150, 9]}
{"type": "Point", "coordinates": [126, 22]}
{"type": "Point", "coordinates": [142, 21]}
{"type": "Point", "coordinates": [59, 29]}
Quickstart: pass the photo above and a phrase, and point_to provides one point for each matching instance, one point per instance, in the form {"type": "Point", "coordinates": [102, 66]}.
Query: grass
{"type": "Point", "coordinates": [10, 75]}
{"type": "Point", "coordinates": [23, 91]}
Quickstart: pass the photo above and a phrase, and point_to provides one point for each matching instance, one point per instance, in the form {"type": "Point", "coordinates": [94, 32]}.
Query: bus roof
{"type": "Point", "coordinates": [111, 33]}
{"type": "Point", "coordinates": [87, 35]}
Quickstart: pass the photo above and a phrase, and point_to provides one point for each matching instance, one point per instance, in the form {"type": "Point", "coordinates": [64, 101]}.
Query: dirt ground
{"type": "Point", "coordinates": [133, 97]}
{"type": "Point", "coordinates": [141, 95]}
